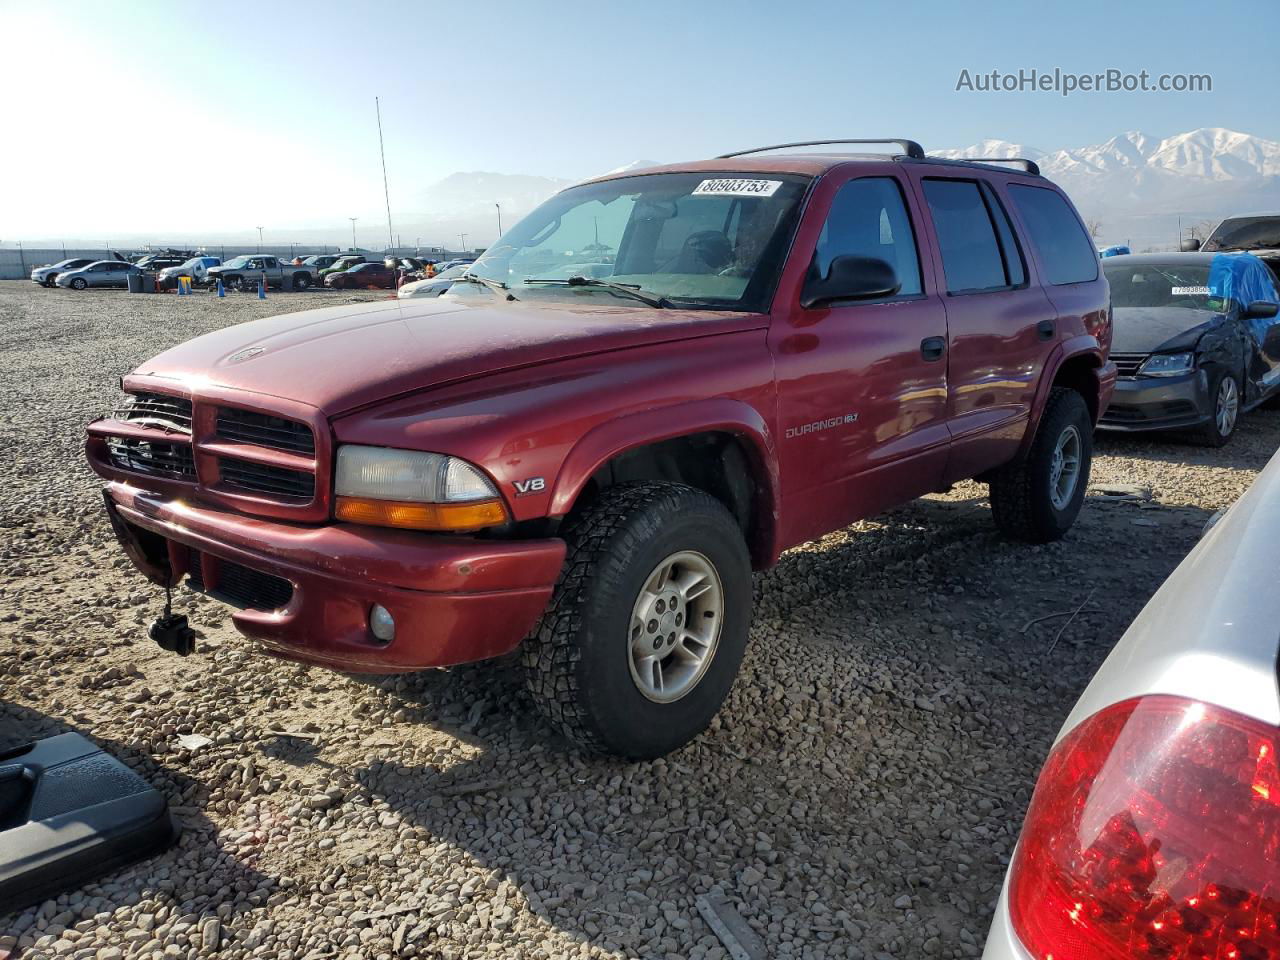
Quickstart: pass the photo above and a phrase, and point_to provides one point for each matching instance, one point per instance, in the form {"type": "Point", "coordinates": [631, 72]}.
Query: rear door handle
{"type": "Point", "coordinates": [932, 348]}
{"type": "Point", "coordinates": [1045, 329]}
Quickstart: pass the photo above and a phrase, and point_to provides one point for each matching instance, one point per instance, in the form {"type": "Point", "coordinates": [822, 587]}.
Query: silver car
{"type": "Point", "coordinates": [1154, 830]}
{"type": "Point", "coordinates": [46, 275]}
{"type": "Point", "coordinates": [100, 273]}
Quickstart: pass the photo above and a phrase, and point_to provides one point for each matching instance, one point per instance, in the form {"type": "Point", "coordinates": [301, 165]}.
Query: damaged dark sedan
{"type": "Point", "coordinates": [1197, 342]}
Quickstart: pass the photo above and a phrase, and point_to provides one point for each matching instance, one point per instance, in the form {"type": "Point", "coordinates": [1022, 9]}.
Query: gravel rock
{"type": "Point", "coordinates": [858, 796]}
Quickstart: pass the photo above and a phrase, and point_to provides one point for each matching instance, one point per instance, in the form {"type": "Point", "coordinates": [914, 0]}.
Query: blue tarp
{"type": "Point", "coordinates": [1244, 278]}
{"type": "Point", "coordinates": [1114, 251]}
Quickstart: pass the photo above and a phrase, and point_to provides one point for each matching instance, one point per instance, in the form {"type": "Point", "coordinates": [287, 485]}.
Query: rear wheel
{"type": "Point", "coordinates": [301, 281]}
{"type": "Point", "coordinates": [1224, 388]}
{"type": "Point", "coordinates": [1038, 498]}
{"type": "Point", "coordinates": [648, 622]}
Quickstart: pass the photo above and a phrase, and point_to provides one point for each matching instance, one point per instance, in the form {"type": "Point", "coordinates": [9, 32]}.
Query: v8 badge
{"type": "Point", "coordinates": [532, 485]}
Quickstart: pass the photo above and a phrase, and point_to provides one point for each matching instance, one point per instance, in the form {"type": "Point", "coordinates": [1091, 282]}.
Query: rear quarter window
{"type": "Point", "coordinates": [1066, 251]}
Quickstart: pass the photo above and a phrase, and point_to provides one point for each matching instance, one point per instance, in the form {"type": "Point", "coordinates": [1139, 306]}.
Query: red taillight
{"type": "Point", "coordinates": [1154, 832]}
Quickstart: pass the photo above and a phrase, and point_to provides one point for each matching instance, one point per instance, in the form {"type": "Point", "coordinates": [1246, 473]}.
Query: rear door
{"type": "Point", "coordinates": [1001, 326]}
{"type": "Point", "coordinates": [862, 393]}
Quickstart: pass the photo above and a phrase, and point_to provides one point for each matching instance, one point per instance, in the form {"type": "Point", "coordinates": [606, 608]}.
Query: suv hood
{"type": "Point", "coordinates": [1159, 329]}
{"type": "Point", "coordinates": [340, 358]}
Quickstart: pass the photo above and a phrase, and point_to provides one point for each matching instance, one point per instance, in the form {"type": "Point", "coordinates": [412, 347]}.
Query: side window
{"type": "Point", "coordinates": [967, 241]}
{"type": "Point", "coordinates": [868, 218]}
{"type": "Point", "coordinates": [1065, 249]}
{"type": "Point", "coordinates": [269, 261]}
{"type": "Point", "coordinates": [1015, 270]}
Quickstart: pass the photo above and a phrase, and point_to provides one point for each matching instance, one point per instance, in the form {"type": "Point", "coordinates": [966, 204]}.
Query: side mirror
{"type": "Point", "coordinates": [1261, 310]}
{"type": "Point", "coordinates": [1190, 245]}
{"type": "Point", "coordinates": [851, 278]}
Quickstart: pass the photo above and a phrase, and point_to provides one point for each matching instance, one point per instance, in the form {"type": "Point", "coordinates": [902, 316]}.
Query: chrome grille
{"type": "Point", "coordinates": [153, 457]}
{"type": "Point", "coordinates": [157, 410]}
{"type": "Point", "coordinates": [262, 478]}
{"type": "Point", "coordinates": [264, 430]}
{"type": "Point", "coordinates": [1128, 364]}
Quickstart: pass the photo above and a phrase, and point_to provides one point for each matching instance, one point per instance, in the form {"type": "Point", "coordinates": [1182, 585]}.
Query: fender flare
{"type": "Point", "coordinates": [634, 430]}
{"type": "Point", "coordinates": [1084, 345]}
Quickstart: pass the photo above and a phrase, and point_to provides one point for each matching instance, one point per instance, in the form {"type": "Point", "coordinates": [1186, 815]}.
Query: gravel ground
{"type": "Point", "coordinates": [859, 795]}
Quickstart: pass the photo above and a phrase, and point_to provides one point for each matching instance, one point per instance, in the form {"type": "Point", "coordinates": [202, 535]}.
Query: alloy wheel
{"type": "Point", "coordinates": [675, 626]}
{"type": "Point", "coordinates": [1064, 468]}
{"type": "Point", "coordinates": [1227, 409]}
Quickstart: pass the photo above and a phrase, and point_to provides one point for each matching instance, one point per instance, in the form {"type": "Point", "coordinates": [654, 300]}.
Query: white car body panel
{"type": "Point", "coordinates": [1210, 633]}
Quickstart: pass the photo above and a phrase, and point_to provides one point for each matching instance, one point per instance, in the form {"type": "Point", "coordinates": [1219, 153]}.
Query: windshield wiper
{"type": "Point", "coordinates": [497, 286]}
{"type": "Point", "coordinates": [626, 289]}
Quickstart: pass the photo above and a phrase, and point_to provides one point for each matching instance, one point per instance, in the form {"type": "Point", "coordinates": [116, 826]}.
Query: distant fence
{"type": "Point", "coordinates": [16, 263]}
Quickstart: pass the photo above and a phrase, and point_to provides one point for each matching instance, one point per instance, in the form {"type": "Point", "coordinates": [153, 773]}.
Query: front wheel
{"type": "Point", "coordinates": [1224, 388]}
{"type": "Point", "coordinates": [79, 283]}
{"type": "Point", "coordinates": [648, 623]}
{"type": "Point", "coordinates": [1038, 498]}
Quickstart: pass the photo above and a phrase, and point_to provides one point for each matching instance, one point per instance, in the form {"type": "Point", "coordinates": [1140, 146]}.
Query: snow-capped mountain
{"type": "Point", "coordinates": [1138, 187]}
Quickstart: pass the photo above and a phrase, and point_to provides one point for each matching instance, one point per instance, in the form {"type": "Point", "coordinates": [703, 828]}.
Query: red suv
{"type": "Point", "coordinates": [649, 387]}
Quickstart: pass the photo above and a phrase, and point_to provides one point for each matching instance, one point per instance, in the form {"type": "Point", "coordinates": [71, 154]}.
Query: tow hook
{"type": "Point", "coordinates": [170, 630]}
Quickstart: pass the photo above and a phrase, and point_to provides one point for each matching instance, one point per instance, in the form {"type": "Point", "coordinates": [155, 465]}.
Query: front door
{"type": "Point", "coordinates": [862, 396]}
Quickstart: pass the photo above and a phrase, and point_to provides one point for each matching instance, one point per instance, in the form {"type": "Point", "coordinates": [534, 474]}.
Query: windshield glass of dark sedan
{"type": "Point", "coordinates": [1160, 285]}
{"type": "Point", "coordinates": [1245, 233]}
{"type": "Point", "coordinates": [696, 239]}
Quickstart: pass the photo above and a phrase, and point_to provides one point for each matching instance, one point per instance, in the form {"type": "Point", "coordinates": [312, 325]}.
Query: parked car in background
{"type": "Point", "coordinates": [342, 263]}
{"type": "Point", "coordinates": [46, 275]}
{"type": "Point", "coordinates": [455, 262]}
{"type": "Point", "coordinates": [244, 272]}
{"type": "Point", "coordinates": [1154, 829]}
{"type": "Point", "coordinates": [1258, 234]}
{"type": "Point", "coordinates": [786, 344]}
{"type": "Point", "coordinates": [100, 273]}
{"type": "Point", "coordinates": [363, 276]}
{"type": "Point", "coordinates": [1196, 341]}
{"type": "Point", "coordinates": [155, 262]}
{"type": "Point", "coordinates": [197, 268]}
{"type": "Point", "coordinates": [319, 262]}
{"type": "Point", "coordinates": [433, 287]}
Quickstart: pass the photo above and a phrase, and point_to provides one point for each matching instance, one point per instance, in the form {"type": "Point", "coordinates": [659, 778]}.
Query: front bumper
{"type": "Point", "coordinates": [1158, 403]}
{"type": "Point", "coordinates": [454, 599]}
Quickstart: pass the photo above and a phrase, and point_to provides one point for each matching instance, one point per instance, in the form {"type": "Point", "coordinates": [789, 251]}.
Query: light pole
{"type": "Point", "coordinates": [353, 231]}
{"type": "Point", "coordinates": [498, 206]}
{"type": "Point", "coordinates": [259, 239]}
{"type": "Point", "coordinates": [463, 238]}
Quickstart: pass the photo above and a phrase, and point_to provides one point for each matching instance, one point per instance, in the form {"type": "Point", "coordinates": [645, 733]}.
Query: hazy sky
{"type": "Point", "coordinates": [131, 116]}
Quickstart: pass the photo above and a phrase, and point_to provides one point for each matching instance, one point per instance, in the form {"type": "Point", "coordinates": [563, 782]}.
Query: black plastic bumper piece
{"type": "Point", "coordinates": [69, 813]}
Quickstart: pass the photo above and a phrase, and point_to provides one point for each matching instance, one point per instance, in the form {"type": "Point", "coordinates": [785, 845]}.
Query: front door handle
{"type": "Point", "coordinates": [1045, 329]}
{"type": "Point", "coordinates": [932, 348]}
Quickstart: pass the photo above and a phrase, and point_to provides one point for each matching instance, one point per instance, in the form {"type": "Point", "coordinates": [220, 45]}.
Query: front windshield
{"type": "Point", "coordinates": [1245, 233]}
{"type": "Point", "coordinates": [237, 262]}
{"type": "Point", "coordinates": [1161, 285]}
{"type": "Point", "coordinates": [695, 239]}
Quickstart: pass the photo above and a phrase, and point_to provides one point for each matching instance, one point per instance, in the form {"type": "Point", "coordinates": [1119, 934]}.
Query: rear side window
{"type": "Point", "coordinates": [868, 218]}
{"type": "Point", "coordinates": [1015, 269]}
{"type": "Point", "coordinates": [967, 240]}
{"type": "Point", "coordinates": [1065, 249]}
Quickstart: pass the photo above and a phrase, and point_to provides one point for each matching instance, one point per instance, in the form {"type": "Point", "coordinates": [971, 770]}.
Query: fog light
{"type": "Point", "coordinates": [382, 623]}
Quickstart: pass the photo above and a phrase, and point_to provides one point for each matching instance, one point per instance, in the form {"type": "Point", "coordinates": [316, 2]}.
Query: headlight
{"type": "Point", "coordinates": [408, 488]}
{"type": "Point", "coordinates": [1168, 364]}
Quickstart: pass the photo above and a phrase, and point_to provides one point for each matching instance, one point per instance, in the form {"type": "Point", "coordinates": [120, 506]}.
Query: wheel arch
{"type": "Point", "coordinates": [720, 445]}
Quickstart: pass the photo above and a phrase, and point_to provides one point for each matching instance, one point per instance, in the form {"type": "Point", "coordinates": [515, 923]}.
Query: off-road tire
{"type": "Point", "coordinates": [301, 281]}
{"type": "Point", "coordinates": [1021, 499]}
{"type": "Point", "coordinates": [578, 661]}
{"type": "Point", "coordinates": [1209, 434]}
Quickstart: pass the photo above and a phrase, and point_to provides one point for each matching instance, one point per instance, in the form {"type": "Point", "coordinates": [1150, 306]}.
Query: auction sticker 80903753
{"type": "Point", "coordinates": [737, 188]}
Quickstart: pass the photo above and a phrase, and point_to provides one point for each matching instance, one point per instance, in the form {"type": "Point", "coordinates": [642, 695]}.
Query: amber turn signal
{"type": "Point", "coordinates": [451, 517]}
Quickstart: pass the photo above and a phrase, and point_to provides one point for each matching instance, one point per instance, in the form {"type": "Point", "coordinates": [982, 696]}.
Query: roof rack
{"type": "Point", "coordinates": [1028, 165]}
{"type": "Point", "coordinates": [909, 147]}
